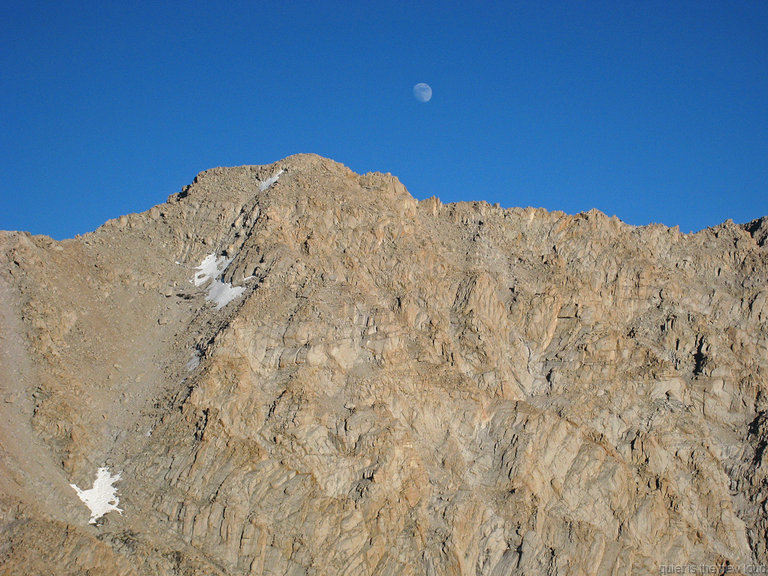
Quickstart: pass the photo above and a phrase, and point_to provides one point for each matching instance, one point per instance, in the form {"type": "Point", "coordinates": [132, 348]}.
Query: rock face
{"type": "Point", "coordinates": [360, 383]}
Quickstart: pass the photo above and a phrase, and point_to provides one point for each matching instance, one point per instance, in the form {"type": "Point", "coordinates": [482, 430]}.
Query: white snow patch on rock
{"type": "Point", "coordinates": [102, 498]}
{"type": "Point", "coordinates": [210, 268]}
{"type": "Point", "coordinates": [209, 271]}
{"type": "Point", "coordinates": [223, 293]}
{"type": "Point", "coordinates": [194, 361]}
{"type": "Point", "coordinates": [269, 181]}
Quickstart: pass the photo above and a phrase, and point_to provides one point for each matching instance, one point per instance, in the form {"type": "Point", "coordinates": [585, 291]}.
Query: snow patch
{"type": "Point", "coordinates": [269, 181]}
{"type": "Point", "coordinates": [210, 271]}
{"type": "Point", "coordinates": [194, 361]}
{"type": "Point", "coordinates": [102, 498]}
{"type": "Point", "coordinates": [210, 268]}
{"type": "Point", "coordinates": [223, 293]}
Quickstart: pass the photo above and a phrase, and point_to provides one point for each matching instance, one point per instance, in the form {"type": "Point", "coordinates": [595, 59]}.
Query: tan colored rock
{"type": "Point", "coordinates": [403, 387]}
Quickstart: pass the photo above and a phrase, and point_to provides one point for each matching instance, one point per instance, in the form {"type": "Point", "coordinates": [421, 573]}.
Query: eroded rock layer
{"type": "Point", "coordinates": [360, 383]}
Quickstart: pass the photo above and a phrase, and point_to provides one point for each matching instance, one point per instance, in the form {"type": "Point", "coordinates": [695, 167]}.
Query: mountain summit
{"type": "Point", "coordinates": [295, 369]}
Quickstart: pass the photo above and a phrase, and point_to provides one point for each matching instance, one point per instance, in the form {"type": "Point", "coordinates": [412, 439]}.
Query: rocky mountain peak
{"type": "Point", "coordinates": [296, 369]}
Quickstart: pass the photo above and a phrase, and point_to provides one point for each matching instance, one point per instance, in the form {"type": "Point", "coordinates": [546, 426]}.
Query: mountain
{"type": "Point", "coordinates": [295, 369]}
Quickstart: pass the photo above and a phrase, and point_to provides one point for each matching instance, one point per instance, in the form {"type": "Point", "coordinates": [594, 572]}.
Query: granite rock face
{"type": "Point", "coordinates": [389, 387]}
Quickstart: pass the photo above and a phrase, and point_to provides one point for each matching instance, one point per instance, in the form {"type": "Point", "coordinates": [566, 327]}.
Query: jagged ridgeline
{"type": "Point", "coordinates": [295, 369]}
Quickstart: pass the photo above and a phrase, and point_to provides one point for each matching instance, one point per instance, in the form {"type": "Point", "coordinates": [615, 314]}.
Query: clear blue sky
{"type": "Point", "coordinates": [652, 111]}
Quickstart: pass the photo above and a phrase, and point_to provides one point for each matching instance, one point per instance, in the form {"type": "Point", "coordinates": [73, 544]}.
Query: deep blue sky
{"type": "Point", "coordinates": [652, 111]}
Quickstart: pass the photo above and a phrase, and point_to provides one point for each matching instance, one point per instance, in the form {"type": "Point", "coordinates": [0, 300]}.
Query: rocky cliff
{"type": "Point", "coordinates": [295, 369]}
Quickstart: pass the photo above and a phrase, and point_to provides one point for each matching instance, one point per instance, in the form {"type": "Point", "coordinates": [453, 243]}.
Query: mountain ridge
{"type": "Point", "coordinates": [401, 386]}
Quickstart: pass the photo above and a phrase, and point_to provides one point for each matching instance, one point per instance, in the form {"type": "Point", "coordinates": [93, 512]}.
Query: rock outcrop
{"type": "Point", "coordinates": [360, 383]}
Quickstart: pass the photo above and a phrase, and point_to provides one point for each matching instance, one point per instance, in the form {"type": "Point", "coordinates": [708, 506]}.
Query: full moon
{"type": "Point", "coordinates": [422, 92]}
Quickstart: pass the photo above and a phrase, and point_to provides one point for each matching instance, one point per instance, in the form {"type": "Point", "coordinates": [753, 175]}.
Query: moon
{"type": "Point", "coordinates": [422, 92]}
